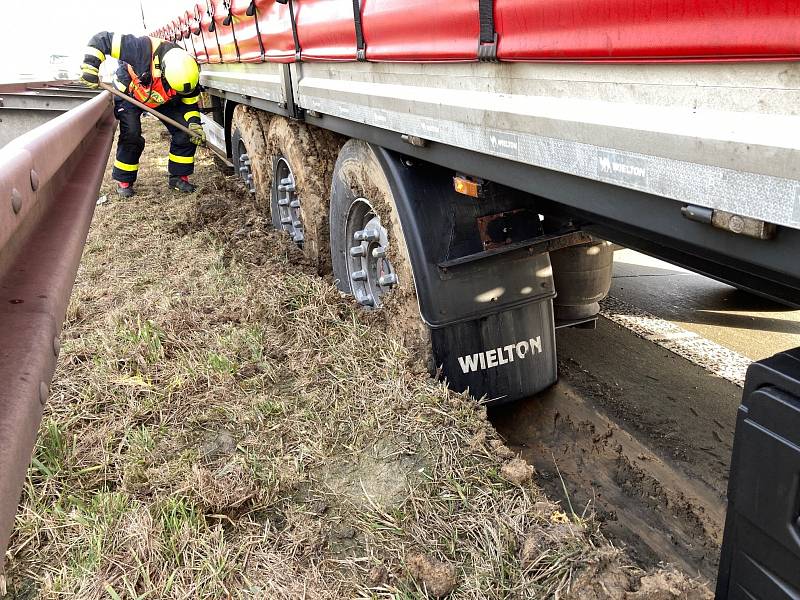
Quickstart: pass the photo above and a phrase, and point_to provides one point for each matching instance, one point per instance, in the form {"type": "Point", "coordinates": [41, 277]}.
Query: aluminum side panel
{"type": "Point", "coordinates": [263, 80]}
{"type": "Point", "coordinates": [715, 135]}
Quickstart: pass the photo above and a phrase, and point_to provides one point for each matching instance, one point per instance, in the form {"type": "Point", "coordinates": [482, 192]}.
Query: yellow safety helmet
{"type": "Point", "coordinates": [180, 71]}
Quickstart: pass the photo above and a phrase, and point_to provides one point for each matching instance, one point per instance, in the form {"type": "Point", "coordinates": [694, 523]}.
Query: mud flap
{"type": "Point", "coordinates": [500, 357]}
{"type": "Point", "coordinates": [491, 320]}
{"type": "Point", "coordinates": [761, 548]}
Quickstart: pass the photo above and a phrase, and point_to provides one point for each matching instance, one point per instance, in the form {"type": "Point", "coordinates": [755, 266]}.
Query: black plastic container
{"type": "Point", "coordinates": [761, 548]}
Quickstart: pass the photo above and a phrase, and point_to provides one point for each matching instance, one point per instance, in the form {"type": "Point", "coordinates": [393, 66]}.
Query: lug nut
{"type": "Point", "coordinates": [286, 220]}
{"type": "Point", "coordinates": [286, 181]}
{"type": "Point", "coordinates": [366, 235]}
{"type": "Point", "coordinates": [286, 188]}
{"type": "Point", "coordinates": [283, 202]}
{"type": "Point", "coordinates": [365, 299]}
{"type": "Point", "coordinates": [294, 204]}
{"type": "Point", "coordinates": [298, 237]}
{"type": "Point", "coordinates": [379, 252]}
{"type": "Point", "coordinates": [297, 224]}
{"type": "Point", "coordinates": [386, 280]}
{"type": "Point", "coordinates": [359, 276]}
{"type": "Point", "coordinates": [357, 251]}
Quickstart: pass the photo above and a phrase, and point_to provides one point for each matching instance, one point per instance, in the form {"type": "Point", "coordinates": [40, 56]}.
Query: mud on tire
{"type": "Point", "coordinates": [309, 155]}
{"type": "Point", "coordinates": [361, 190]}
{"type": "Point", "coordinates": [248, 129]}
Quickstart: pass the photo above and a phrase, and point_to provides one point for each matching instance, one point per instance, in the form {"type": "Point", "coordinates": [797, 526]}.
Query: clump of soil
{"type": "Point", "coordinates": [668, 585]}
{"type": "Point", "coordinates": [605, 577]}
{"type": "Point", "coordinates": [517, 471]}
{"type": "Point", "coordinates": [436, 578]}
{"type": "Point", "coordinates": [602, 578]}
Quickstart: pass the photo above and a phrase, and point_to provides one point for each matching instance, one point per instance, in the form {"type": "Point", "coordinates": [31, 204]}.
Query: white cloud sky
{"type": "Point", "coordinates": [64, 26]}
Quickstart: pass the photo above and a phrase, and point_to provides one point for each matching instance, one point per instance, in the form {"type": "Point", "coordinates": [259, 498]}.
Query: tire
{"type": "Point", "coordinates": [360, 192]}
{"type": "Point", "coordinates": [301, 162]}
{"type": "Point", "coordinates": [248, 137]}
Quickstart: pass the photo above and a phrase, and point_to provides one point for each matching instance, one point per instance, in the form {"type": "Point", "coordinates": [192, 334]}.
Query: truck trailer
{"type": "Point", "coordinates": [486, 151]}
{"type": "Point", "coordinates": [467, 166]}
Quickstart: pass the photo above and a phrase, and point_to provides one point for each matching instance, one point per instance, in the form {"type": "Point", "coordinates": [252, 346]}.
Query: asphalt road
{"type": "Point", "coordinates": [752, 326]}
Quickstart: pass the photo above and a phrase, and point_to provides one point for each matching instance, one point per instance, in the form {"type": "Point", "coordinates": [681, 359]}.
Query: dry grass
{"type": "Point", "coordinates": [224, 425]}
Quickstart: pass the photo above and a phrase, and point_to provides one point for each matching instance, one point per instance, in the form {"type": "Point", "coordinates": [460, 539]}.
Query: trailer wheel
{"type": "Point", "coordinates": [368, 251]}
{"type": "Point", "coordinates": [301, 163]}
{"type": "Point", "coordinates": [249, 152]}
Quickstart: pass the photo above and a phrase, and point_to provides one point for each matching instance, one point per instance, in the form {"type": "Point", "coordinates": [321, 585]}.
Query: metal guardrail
{"type": "Point", "coordinates": [49, 179]}
{"type": "Point", "coordinates": [25, 106]}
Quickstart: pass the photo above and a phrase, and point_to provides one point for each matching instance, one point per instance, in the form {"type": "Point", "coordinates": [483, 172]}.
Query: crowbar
{"type": "Point", "coordinates": [146, 108]}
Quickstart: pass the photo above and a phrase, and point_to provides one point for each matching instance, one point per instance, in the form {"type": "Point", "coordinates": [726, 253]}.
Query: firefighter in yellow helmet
{"type": "Point", "coordinates": [161, 75]}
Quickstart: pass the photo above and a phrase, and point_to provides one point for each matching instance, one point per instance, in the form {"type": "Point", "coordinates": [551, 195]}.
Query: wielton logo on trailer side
{"type": "Point", "coordinates": [504, 143]}
{"type": "Point", "coordinates": [500, 356]}
{"type": "Point", "coordinates": [628, 170]}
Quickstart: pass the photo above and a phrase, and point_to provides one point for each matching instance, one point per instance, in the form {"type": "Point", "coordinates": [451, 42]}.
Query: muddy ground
{"type": "Point", "coordinates": [638, 435]}
{"type": "Point", "coordinates": [224, 424]}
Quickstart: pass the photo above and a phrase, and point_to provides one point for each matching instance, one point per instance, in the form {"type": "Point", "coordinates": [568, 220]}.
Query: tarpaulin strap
{"type": "Point", "coordinates": [211, 13]}
{"type": "Point", "coordinates": [198, 16]}
{"type": "Point", "coordinates": [229, 21]}
{"type": "Point", "coordinates": [487, 46]}
{"type": "Point", "coordinates": [361, 48]}
{"type": "Point", "coordinates": [252, 11]}
{"type": "Point", "coordinates": [191, 39]}
{"type": "Point", "coordinates": [297, 50]}
{"type": "Point", "coordinates": [212, 28]}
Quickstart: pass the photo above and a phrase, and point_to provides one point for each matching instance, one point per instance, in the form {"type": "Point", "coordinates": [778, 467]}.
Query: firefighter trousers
{"type": "Point", "coordinates": [131, 142]}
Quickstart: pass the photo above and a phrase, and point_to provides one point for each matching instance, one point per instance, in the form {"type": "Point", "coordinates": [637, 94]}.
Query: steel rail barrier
{"type": "Point", "coordinates": [49, 179]}
{"type": "Point", "coordinates": [25, 106]}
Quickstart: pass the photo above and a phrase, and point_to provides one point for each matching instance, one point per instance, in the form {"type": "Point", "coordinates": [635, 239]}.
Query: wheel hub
{"type": "Point", "coordinates": [287, 202]}
{"type": "Point", "coordinates": [370, 271]}
{"type": "Point", "coordinates": [245, 168]}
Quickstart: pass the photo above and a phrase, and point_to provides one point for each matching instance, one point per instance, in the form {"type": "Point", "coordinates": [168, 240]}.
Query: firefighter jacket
{"type": "Point", "coordinates": [139, 72]}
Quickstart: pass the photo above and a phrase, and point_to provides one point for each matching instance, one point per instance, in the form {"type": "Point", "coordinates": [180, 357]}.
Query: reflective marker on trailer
{"type": "Point", "coordinates": [467, 187]}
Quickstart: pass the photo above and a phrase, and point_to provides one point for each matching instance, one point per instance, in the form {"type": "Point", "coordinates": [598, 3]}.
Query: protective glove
{"type": "Point", "coordinates": [90, 76]}
{"type": "Point", "coordinates": [198, 135]}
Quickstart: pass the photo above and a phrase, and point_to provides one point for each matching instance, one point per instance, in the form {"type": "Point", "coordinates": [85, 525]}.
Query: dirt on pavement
{"type": "Point", "coordinates": [637, 436]}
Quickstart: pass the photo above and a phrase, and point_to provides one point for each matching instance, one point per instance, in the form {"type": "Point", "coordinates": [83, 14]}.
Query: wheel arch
{"type": "Point", "coordinates": [439, 224]}
{"type": "Point", "coordinates": [230, 106]}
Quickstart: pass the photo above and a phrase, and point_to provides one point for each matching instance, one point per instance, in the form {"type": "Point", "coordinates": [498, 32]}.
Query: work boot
{"type": "Point", "coordinates": [124, 189]}
{"type": "Point", "coordinates": [181, 184]}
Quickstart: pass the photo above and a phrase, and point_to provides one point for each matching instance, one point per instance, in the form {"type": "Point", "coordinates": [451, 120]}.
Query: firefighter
{"type": "Point", "coordinates": [161, 75]}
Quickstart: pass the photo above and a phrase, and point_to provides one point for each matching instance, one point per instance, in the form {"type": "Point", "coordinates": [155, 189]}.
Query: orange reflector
{"type": "Point", "coordinates": [466, 187]}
